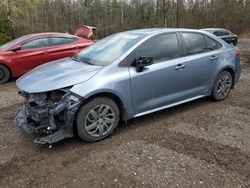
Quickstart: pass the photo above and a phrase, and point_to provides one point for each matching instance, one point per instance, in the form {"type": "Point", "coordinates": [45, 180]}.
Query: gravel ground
{"type": "Point", "coordinates": [198, 144]}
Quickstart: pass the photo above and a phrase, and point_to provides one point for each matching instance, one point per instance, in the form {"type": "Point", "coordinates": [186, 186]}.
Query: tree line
{"type": "Point", "coordinates": [20, 17]}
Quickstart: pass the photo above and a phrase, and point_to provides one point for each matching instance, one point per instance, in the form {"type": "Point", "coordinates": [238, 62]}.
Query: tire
{"type": "Point", "coordinates": [97, 119]}
{"type": "Point", "coordinates": [4, 74]}
{"type": "Point", "coordinates": [222, 86]}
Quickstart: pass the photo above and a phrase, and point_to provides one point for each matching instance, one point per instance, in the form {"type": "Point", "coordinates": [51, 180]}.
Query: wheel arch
{"type": "Point", "coordinates": [232, 72]}
{"type": "Point", "coordinates": [112, 96]}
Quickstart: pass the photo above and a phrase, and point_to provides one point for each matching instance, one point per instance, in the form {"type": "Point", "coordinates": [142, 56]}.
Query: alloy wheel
{"type": "Point", "coordinates": [99, 120]}
{"type": "Point", "coordinates": [224, 85]}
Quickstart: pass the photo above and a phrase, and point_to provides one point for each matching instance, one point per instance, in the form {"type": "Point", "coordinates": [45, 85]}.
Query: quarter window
{"type": "Point", "coordinates": [160, 48]}
{"type": "Point", "coordinates": [194, 43]}
{"type": "Point", "coordinates": [212, 44]}
{"type": "Point", "coordinates": [56, 41]}
{"type": "Point", "coordinates": [36, 43]}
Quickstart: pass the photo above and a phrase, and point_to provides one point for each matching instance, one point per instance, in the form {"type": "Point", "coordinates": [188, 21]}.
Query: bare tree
{"type": "Point", "coordinates": [109, 16]}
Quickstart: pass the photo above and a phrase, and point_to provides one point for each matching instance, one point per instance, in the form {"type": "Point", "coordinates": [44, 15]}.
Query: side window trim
{"type": "Point", "coordinates": [35, 38]}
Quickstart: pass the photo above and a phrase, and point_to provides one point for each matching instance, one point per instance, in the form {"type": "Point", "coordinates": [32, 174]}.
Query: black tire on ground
{"type": "Point", "coordinates": [90, 118]}
{"type": "Point", "coordinates": [222, 86]}
{"type": "Point", "coordinates": [4, 74]}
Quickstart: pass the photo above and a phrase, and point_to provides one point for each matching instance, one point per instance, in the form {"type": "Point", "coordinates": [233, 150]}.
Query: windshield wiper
{"type": "Point", "coordinates": [81, 60]}
{"type": "Point", "coordinates": [86, 60]}
{"type": "Point", "coordinates": [75, 58]}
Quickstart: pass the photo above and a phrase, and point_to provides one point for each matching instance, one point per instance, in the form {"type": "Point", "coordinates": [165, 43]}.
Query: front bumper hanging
{"type": "Point", "coordinates": [42, 120]}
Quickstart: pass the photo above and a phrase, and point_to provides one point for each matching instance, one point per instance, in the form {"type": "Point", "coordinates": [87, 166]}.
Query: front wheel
{"type": "Point", "coordinates": [97, 119]}
{"type": "Point", "coordinates": [4, 74]}
{"type": "Point", "coordinates": [222, 86]}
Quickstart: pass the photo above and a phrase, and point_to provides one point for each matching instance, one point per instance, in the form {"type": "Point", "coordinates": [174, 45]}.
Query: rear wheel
{"type": "Point", "coordinates": [97, 119]}
{"type": "Point", "coordinates": [222, 86]}
{"type": "Point", "coordinates": [4, 74]}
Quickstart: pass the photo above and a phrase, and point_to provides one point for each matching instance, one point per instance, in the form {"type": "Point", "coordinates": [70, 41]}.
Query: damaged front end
{"type": "Point", "coordinates": [49, 115]}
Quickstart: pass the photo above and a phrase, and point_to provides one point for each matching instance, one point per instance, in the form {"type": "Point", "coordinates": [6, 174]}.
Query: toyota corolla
{"type": "Point", "coordinates": [123, 76]}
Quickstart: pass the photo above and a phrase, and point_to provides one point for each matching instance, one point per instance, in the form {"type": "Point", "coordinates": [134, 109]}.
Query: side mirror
{"type": "Point", "coordinates": [142, 62]}
{"type": "Point", "coordinates": [15, 48]}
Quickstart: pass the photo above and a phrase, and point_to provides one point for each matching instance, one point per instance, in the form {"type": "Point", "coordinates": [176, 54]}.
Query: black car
{"type": "Point", "coordinates": [224, 34]}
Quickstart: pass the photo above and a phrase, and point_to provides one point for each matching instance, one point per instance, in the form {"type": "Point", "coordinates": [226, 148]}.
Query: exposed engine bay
{"type": "Point", "coordinates": [50, 115]}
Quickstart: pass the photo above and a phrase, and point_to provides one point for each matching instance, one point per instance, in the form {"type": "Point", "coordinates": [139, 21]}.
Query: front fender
{"type": "Point", "coordinates": [116, 83]}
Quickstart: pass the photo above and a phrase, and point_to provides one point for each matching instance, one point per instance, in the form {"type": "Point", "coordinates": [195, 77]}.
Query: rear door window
{"type": "Point", "coordinates": [160, 48]}
{"type": "Point", "coordinates": [194, 43]}
{"type": "Point", "coordinates": [36, 43]}
{"type": "Point", "coordinates": [56, 41]}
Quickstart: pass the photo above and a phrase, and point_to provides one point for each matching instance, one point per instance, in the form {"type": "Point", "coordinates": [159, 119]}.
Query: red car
{"type": "Point", "coordinates": [25, 53]}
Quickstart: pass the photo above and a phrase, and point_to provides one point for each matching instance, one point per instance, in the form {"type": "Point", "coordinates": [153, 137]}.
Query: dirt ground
{"type": "Point", "coordinates": [198, 144]}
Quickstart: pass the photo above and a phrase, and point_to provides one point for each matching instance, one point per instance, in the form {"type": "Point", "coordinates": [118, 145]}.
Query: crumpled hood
{"type": "Point", "coordinates": [55, 75]}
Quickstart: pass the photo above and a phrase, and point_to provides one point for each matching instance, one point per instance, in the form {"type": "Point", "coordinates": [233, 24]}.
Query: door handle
{"type": "Point", "coordinates": [180, 66]}
{"type": "Point", "coordinates": [213, 58]}
{"type": "Point", "coordinates": [45, 52]}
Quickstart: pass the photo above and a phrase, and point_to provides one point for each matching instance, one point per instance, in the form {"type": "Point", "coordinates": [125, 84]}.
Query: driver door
{"type": "Point", "coordinates": [161, 83]}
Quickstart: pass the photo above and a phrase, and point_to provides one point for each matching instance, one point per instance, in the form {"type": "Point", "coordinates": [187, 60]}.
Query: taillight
{"type": "Point", "coordinates": [237, 53]}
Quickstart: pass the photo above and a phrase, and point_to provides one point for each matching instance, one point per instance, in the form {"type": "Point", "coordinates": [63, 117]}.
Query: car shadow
{"type": "Point", "coordinates": [136, 123]}
{"type": "Point", "coordinates": [225, 156]}
{"type": "Point", "coordinates": [163, 114]}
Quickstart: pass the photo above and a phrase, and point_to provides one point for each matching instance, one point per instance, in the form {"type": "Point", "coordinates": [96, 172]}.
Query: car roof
{"type": "Point", "coordinates": [214, 29]}
{"type": "Point", "coordinates": [50, 33]}
{"type": "Point", "coordinates": [153, 31]}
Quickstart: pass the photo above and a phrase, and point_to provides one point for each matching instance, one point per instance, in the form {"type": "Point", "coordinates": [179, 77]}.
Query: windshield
{"type": "Point", "coordinates": [109, 49]}
{"type": "Point", "coordinates": [11, 43]}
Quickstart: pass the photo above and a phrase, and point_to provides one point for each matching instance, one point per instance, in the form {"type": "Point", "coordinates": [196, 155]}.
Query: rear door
{"type": "Point", "coordinates": [32, 54]}
{"type": "Point", "coordinates": [202, 54]}
{"type": "Point", "coordinates": [62, 46]}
